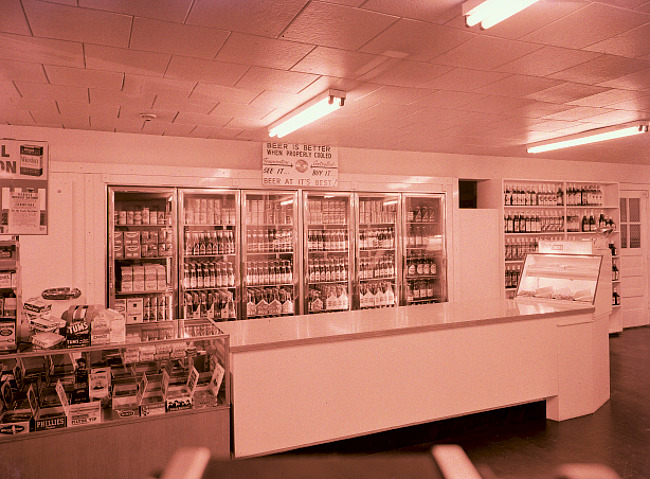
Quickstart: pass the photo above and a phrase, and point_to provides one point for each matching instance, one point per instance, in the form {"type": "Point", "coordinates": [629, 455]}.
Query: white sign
{"type": "Point", "coordinates": [298, 165]}
{"type": "Point", "coordinates": [23, 187]}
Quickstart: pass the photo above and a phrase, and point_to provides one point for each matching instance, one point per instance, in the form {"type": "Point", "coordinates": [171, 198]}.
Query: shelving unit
{"type": "Point", "coordinates": [555, 210]}
{"type": "Point", "coordinates": [10, 293]}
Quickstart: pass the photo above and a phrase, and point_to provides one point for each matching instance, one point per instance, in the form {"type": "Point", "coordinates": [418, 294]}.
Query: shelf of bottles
{"type": "Point", "coordinates": [142, 268]}
{"type": "Point", "coordinates": [552, 210]}
{"type": "Point", "coordinates": [269, 254]}
{"type": "Point", "coordinates": [377, 253]}
{"type": "Point", "coordinates": [209, 257]}
{"type": "Point", "coordinates": [424, 273]}
{"type": "Point", "coordinates": [329, 260]}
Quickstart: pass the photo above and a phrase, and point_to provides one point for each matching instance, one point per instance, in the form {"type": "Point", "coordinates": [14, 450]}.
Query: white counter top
{"type": "Point", "coordinates": [289, 330]}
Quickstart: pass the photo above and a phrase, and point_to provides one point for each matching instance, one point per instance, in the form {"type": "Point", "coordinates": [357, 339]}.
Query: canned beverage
{"type": "Point", "coordinates": [121, 215]}
{"type": "Point", "coordinates": [153, 217]}
{"type": "Point", "coordinates": [130, 217]}
{"type": "Point", "coordinates": [137, 217]}
{"type": "Point", "coordinates": [161, 217]}
{"type": "Point", "coordinates": [145, 215]}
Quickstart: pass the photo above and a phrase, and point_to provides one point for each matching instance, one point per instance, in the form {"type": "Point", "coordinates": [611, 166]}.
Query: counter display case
{"type": "Point", "coordinates": [270, 259]}
{"type": "Point", "coordinates": [142, 271]}
{"type": "Point", "coordinates": [571, 278]}
{"type": "Point", "coordinates": [209, 254]}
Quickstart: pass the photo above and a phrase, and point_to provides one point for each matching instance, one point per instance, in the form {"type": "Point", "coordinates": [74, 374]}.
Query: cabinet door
{"type": "Point", "coordinates": [425, 263]}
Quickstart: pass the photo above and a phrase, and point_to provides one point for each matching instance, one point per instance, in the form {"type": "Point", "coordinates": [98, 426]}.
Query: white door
{"type": "Point", "coordinates": [634, 260]}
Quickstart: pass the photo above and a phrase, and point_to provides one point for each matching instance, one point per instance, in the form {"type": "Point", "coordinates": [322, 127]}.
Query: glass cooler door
{"type": "Point", "coordinates": [424, 269]}
{"type": "Point", "coordinates": [142, 253]}
{"type": "Point", "coordinates": [209, 256]}
{"type": "Point", "coordinates": [269, 287]}
{"type": "Point", "coordinates": [377, 251]}
{"type": "Point", "coordinates": [329, 259]}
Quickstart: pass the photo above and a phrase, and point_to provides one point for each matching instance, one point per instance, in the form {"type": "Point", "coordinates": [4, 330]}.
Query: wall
{"type": "Point", "coordinates": [83, 162]}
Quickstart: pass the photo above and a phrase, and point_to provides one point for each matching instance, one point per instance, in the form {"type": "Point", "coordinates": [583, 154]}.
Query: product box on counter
{"type": "Point", "coordinates": [134, 310]}
{"type": "Point", "coordinates": [99, 385]}
{"type": "Point", "coordinates": [46, 415]}
{"type": "Point", "coordinates": [179, 397]}
{"type": "Point", "coordinates": [8, 334]}
{"type": "Point", "coordinates": [131, 238]}
{"type": "Point", "coordinates": [153, 401]}
{"type": "Point", "coordinates": [37, 305]}
{"type": "Point", "coordinates": [80, 414]}
{"type": "Point", "coordinates": [132, 251]}
{"type": "Point", "coordinates": [14, 422]}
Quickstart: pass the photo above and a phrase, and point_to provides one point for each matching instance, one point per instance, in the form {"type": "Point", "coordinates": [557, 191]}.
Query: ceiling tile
{"type": "Point", "coordinates": [495, 104]}
{"type": "Point", "coordinates": [227, 133]}
{"type": "Point", "coordinates": [339, 63]}
{"type": "Point", "coordinates": [462, 79]}
{"type": "Point", "coordinates": [518, 86]}
{"type": "Point", "coordinates": [167, 129]}
{"type": "Point", "coordinates": [566, 92]}
{"type": "Point", "coordinates": [395, 95]}
{"type": "Point", "coordinates": [336, 26]}
{"type": "Point", "coordinates": [13, 19]}
{"type": "Point", "coordinates": [84, 78]}
{"type": "Point", "coordinates": [14, 116]}
{"type": "Point", "coordinates": [11, 70]}
{"type": "Point", "coordinates": [7, 92]}
{"type": "Point", "coordinates": [601, 69]}
{"type": "Point", "coordinates": [189, 118]}
{"type": "Point", "coordinates": [276, 99]}
{"type": "Point", "coordinates": [616, 116]}
{"type": "Point", "coordinates": [527, 21]}
{"type": "Point", "coordinates": [162, 116]}
{"type": "Point", "coordinates": [609, 97]}
{"type": "Point", "coordinates": [485, 53]}
{"type": "Point", "coordinates": [42, 111]}
{"type": "Point", "coordinates": [634, 81]}
{"type": "Point", "coordinates": [416, 40]}
{"type": "Point", "coordinates": [219, 73]}
{"type": "Point", "coordinates": [170, 10]}
{"type": "Point", "coordinates": [638, 104]}
{"type": "Point", "coordinates": [78, 122]}
{"type": "Point", "coordinates": [68, 109]}
{"type": "Point", "coordinates": [547, 60]}
{"type": "Point", "coordinates": [538, 109]}
{"type": "Point", "coordinates": [125, 61]}
{"type": "Point", "coordinates": [237, 110]}
{"type": "Point", "coordinates": [41, 50]}
{"type": "Point", "coordinates": [178, 101]}
{"type": "Point", "coordinates": [264, 78]}
{"type": "Point", "coordinates": [43, 91]}
{"type": "Point", "coordinates": [591, 24]}
{"type": "Point", "coordinates": [218, 93]}
{"type": "Point", "coordinates": [577, 113]}
{"type": "Point", "coordinates": [448, 99]}
{"type": "Point", "coordinates": [167, 37]}
{"type": "Point", "coordinates": [262, 52]}
{"type": "Point", "coordinates": [439, 11]}
{"type": "Point", "coordinates": [112, 97]}
{"type": "Point", "coordinates": [634, 43]}
{"type": "Point", "coordinates": [65, 22]}
{"type": "Point", "coordinates": [257, 17]}
{"type": "Point", "coordinates": [145, 84]}
{"type": "Point", "coordinates": [409, 74]}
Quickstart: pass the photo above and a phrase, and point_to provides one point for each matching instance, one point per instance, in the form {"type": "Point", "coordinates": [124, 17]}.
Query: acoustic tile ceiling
{"type": "Point", "coordinates": [416, 77]}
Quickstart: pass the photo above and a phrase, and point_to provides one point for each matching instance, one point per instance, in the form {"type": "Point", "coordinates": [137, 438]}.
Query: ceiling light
{"type": "Point", "coordinates": [591, 136]}
{"type": "Point", "coordinates": [309, 112]}
{"type": "Point", "coordinates": [490, 12]}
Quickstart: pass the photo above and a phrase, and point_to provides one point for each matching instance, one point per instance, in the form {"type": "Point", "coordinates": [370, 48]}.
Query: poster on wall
{"type": "Point", "coordinates": [23, 187]}
{"type": "Point", "coordinates": [299, 165]}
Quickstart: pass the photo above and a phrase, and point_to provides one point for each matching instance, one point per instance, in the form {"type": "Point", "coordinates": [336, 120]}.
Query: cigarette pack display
{"type": "Point", "coordinates": [99, 384]}
{"type": "Point", "coordinates": [85, 413]}
{"type": "Point", "coordinates": [15, 422]}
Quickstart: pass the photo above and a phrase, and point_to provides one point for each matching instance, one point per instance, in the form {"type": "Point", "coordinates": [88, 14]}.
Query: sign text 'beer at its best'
{"type": "Point", "coordinates": [299, 165]}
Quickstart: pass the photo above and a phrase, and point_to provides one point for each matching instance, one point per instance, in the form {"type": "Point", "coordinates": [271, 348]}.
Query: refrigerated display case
{"type": "Point", "coordinates": [142, 279]}
{"type": "Point", "coordinates": [209, 254]}
{"type": "Point", "coordinates": [329, 255]}
{"type": "Point", "coordinates": [424, 270]}
{"type": "Point", "coordinates": [377, 251]}
{"type": "Point", "coordinates": [269, 254]}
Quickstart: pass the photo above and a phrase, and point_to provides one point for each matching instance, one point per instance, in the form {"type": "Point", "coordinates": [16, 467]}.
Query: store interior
{"type": "Point", "coordinates": [436, 201]}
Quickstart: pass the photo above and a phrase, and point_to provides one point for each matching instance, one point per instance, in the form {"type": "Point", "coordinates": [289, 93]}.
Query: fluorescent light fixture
{"type": "Point", "coordinates": [490, 12]}
{"type": "Point", "coordinates": [307, 113]}
{"type": "Point", "coordinates": [591, 136]}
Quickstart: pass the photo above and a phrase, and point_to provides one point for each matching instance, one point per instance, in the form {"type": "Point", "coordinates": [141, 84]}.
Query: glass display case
{"type": "Point", "coordinates": [568, 278]}
{"type": "Point", "coordinates": [377, 251]}
{"type": "Point", "coordinates": [48, 389]}
{"type": "Point", "coordinates": [269, 254]}
{"type": "Point", "coordinates": [329, 258]}
{"type": "Point", "coordinates": [424, 270]}
{"type": "Point", "coordinates": [209, 254]}
{"type": "Point", "coordinates": [142, 275]}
